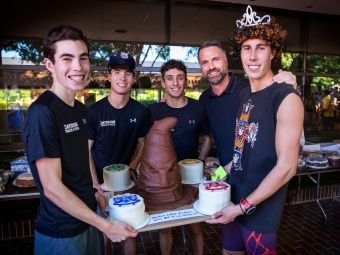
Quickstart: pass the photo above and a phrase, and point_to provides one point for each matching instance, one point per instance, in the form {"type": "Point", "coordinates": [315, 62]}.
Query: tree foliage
{"type": "Point", "coordinates": [318, 64]}
{"type": "Point", "coordinates": [28, 50]}
{"type": "Point", "coordinates": [31, 50]}
{"type": "Point", "coordinates": [100, 52]}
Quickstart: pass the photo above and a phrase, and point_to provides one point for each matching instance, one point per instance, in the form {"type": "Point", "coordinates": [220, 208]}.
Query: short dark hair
{"type": "Point", "coordinates": [171, 64]}
{"type": "Point", "coordinates": [327, 92]}
{"type": "Point", "coordinates": [62, 33]}
{"type": "Point", "coordinates": [211, 43]}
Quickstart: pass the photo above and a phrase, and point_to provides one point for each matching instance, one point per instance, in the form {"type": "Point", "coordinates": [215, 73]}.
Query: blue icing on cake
{"type": "Point", "coordinates": [128, 199]}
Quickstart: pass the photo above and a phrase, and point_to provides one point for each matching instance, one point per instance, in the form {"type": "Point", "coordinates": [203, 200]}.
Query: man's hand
{"type": "Point", "coordinates": [133, 175]}
{"type": "Point", "coordinates": [287, 77]}
{"type": "Point", "coordinates": [102, 202]}
{"type": "Point", "coordinates": [99, 188]}
{"type": "Point", "coordinates": [226, 215]}
{"type": "Point", "coordinates": [119, 231]}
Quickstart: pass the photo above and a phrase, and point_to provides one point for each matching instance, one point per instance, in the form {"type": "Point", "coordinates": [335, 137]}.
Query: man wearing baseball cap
{"type": "Point", "coordinates": [117, 125]}
{"type": "Point", "coordinates": [123, 60]}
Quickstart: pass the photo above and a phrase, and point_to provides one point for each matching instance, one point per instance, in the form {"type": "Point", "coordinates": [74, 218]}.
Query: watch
{"type": "Point", "coordinates": [248, 208]}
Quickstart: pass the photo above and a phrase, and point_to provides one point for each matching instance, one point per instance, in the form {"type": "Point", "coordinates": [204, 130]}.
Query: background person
{"type": "Point", "coordinates": [56, 144]}
{"type": "Point", "coordinates": [327, 112]}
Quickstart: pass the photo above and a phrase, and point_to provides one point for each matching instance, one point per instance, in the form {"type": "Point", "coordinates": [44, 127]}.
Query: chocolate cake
{"type": "Point", "coordinates": [160, 181]}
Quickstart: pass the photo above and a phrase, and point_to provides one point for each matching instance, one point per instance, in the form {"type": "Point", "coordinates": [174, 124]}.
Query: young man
{"type": "Point", "coordinates": [117, 121]}
{"type": "Point", "coordinates": [55, 139]}
{"type": "Point", "coordinates": [117, 126]}
{"type": "Point", "coordinates": [192, 120]}
{"type": "Point", "coordinates": [268, 129]}
{"type": "Point", "coordinates": [221, 99]}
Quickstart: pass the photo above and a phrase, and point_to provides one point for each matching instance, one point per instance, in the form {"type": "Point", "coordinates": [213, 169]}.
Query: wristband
{"type": "Point", "coordinates": [242, 208]}
{"type": "Point", "coordinates": [133, 170]}
{"type": "Point", "coordinates": [248, 208]}
{"type": "Point", "coordinates": [202, 161]}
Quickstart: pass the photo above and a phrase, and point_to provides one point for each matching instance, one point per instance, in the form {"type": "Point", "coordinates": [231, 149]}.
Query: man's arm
{"type": "Point", "coordinates": [137, 157]}
{"type": "Point", "coordinates": [49, 170]}
{"type": "Point", "coordinates": [287, 77]}
{"type": "Point", "coordinates": [287, 137]}
{"type": "Point", "coordinates": [95, 181]}
{"type": "Point", "coordinates": [205, 147]}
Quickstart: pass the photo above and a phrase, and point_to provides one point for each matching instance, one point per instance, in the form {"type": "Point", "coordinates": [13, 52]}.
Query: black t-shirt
{"type": "Point", "coordinates": [115, 132]}
{"type": "Point", "coordinates": [255, 154]}
{"type": "Point", "coordinates": [53, 129]}
{"type": "Point", "coordinates": [192, 119]}
{"type": "Point", "coordinates": [222, 112]}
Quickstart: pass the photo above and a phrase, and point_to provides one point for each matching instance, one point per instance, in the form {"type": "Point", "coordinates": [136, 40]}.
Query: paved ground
{"type": "Point", "coordinates": [301, 232]}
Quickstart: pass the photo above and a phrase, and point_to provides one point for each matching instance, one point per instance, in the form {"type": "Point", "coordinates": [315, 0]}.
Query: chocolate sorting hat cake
{"type": "Point", "coordinates": [159, 180]}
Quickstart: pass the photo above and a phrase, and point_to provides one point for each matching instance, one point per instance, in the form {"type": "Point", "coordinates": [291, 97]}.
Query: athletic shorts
{"type": "Point", "coordinates": [89, 242]}
{"type": "Point", "coordinates": [238, 238]}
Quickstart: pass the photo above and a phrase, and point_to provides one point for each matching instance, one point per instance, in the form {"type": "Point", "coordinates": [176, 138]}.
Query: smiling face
{"type": "Point", "coordinates": [174, 82]}
{"type": "Point", "coordinates": [214, 64]}
{"type": "Point", "coordinates": [256, 56]}
{"type": "Point", "coordinates": [71, 66]}
{"type": "Point", "coordinates": [121, 81]}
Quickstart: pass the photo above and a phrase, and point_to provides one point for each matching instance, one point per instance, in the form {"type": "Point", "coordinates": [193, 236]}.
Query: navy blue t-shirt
{"type": "Point", "coordinates": [222, 112]}
{"type": "Point", "coordinates": [53, 129]}
{"type": "Point", "coordinates": [115, 132]}
{"type": "Point", "coordinates": [192, 120]}
{"type": "Point", "coordinates": [255, 154]}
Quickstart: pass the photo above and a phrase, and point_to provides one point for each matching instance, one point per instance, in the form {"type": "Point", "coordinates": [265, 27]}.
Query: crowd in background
{"type": "Point", "coordinates": [321, 108]}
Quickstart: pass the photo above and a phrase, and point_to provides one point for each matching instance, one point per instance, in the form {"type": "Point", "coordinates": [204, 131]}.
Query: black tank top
{"type": "Point", "coordinates": [255, 155]}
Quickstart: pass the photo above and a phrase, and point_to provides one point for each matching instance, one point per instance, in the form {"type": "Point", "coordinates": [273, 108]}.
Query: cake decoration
{"type": "Point", "coordinates": [218, 185]}
{"type": "Point", "coordinates": [219, 174]}
{"type": "Point", "coordinates": [126, 199]}
{"type": "Point", "coordinates": [189, 161]}
{"type": "Point", "coordinates": [115, 167]}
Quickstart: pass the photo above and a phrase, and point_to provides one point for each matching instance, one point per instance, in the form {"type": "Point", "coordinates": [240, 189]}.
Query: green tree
{"type": "Point", "coordinates": [318, 64]}
{"type": "Point", "coordinates": [31, 50]}
{"type": "Point", "coordinates": [28, 50]}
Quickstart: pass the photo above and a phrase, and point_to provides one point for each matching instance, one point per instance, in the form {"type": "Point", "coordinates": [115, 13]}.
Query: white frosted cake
{"type": "Point", "coordinates": [191, 171]}
{"type": "Point", "coordinates": [116, 177]}
{"type": "Point", "coordinates": [129, 208]}
{"type": "Point", "coordinates": [213, 196]}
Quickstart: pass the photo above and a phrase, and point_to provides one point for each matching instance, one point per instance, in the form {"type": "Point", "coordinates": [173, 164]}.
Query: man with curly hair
{"type": "Point", "coordinates": [271, 116]}
{"type": "Point", "coordinates": [221, 99]}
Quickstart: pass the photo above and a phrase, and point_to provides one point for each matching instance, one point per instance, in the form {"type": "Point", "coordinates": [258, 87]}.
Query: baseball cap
{"type": "Point", "coordinates": [123, 60]}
